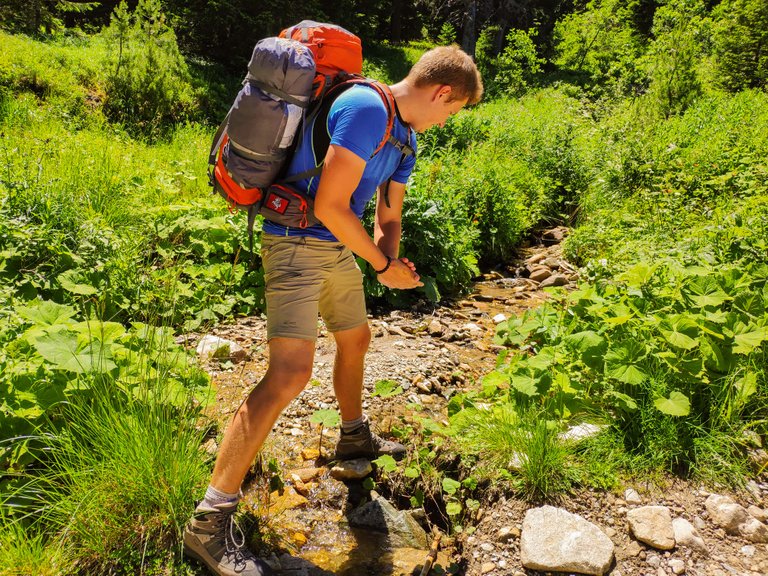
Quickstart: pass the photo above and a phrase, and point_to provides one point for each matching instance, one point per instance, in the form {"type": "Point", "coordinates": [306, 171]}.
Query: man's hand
{"type": "Point", "coordinates": [400, 274]}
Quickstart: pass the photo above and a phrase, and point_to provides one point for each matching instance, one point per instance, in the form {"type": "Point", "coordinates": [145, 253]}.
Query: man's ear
{"type": "Point", "coordinates": [442, 91]}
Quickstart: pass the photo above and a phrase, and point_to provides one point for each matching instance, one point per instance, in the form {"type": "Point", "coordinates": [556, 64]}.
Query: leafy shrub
{"type": "Point", "coordinates": [673, 357]}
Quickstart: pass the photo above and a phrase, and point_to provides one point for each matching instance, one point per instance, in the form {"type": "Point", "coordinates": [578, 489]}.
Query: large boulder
{"type": "Point", "coordinates": [554, 540]}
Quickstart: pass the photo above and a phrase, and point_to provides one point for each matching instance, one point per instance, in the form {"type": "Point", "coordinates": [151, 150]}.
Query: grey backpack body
{"type": "Point", "coordinates": [267, 113]}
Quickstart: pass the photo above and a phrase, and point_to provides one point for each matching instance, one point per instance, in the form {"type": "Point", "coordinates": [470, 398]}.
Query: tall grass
{"type": "Point", "coordinates": [118, 481]}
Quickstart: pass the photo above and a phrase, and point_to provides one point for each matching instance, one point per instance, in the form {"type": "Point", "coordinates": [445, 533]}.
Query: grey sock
{"type": "Point", "coordinates": [214, 496]}
{"type": "Point", "coordinates": [352, 425]}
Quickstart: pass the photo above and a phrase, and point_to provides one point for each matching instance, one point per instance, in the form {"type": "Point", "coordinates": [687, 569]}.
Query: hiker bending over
{"type": "Point", "coordinates": [314, 270]}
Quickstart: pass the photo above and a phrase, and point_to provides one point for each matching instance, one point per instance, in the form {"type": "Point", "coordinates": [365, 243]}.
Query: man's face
{"type": "Point", "coordinates": [438, 110]}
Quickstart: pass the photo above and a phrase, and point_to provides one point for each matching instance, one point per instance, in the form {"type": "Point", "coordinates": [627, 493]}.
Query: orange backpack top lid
{"type": "Point", "coordinates": [334, 48]}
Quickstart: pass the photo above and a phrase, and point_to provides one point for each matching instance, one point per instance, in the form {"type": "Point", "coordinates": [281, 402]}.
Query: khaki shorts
{"type": "Point", "coordinates": [304, 276]}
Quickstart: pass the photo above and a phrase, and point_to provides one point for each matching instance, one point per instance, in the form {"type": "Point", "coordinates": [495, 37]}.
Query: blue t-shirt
{"type": "Point", "coordinates": [357, 121]}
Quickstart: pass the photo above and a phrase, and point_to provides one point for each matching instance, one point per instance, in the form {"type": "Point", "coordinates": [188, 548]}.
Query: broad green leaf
{"type": "Point", "coordinates": [638, 275]}
{"type": "Point", "coordinates": [494, 381]}
{"type": "Point", "coordinates": [47, 313]}
{"type": "Point", "coordinates": [386, 389]}
{"type": "Point", "coordinates": [680, 331]}
{"type": "Point", "coordinates": [715, 358]}
{"type": "Point", "coordinates": [386, 463]}
{"type": "Point", "coordinates": [746, 386]}
{"type": "Point", "coordinates": [526, 382]}
{"type": "Point", "coordinates": [411, 472]}
{"type": "Point", "coordinates": [563, 382]}
{"type": "Point", "coordinates": [450, 486]}
{"type": "Point", "coordinates": [705, 291]}
{"type": "Point", "coordinates": [750, 338]}
{"type": "Point", "coordinates": [622, 362]}
{"type": "Point", "coordinates": [676, 405]}
{"type": "Point", "coordinates": [107, 332]}
{"type": "Point", "coordinates": [453, 508]}
{"type": "Point", "coordinates": [328, 418]}
{"type": "Point", "coordinates": [590, 345]}
{"type": "Point", "coordinates": [72, 281]}
{"type": "Point", "coordinates": [61, 349]}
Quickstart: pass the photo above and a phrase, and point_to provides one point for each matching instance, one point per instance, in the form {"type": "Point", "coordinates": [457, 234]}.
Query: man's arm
{"type": "Point", "coordinates": [342, 172]}
{"type": "Point", "coordinates": [387, 227]}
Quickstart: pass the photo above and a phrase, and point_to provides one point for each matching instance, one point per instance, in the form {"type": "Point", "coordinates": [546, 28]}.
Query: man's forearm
{"type": "Point", "coordinates": [344, 224]}
{"type": "Point", "coordinates": [387, 238]}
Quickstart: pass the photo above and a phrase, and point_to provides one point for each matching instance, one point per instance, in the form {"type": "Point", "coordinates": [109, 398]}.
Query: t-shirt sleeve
{"type": "Point", "coordinates": [403, 171]}
{"type": "Point", "coordinates": [357, 121]}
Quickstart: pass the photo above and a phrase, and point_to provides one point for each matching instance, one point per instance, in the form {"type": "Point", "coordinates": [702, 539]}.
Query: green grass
{"type": "Point", "coordinates": [116, 486]}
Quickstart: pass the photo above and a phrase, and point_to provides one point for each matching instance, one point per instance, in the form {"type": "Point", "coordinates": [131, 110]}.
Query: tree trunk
{"type": "Point", "coordinates": [396, 28]}
{"type": "Point", "coordinates": [469, 35]}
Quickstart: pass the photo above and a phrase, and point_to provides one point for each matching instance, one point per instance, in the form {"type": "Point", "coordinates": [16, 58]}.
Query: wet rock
{"type": "Point", "coordinates": [539, 274]}
{"type": "Point", "coordinates": [653, 526]}
{"type": "Point", "coordinates": [555, 235]}
{"type": "Point", "coordinates": [381, 516]}
{"type": "Point", "coordinates": [554, 280]}
{"type": "Point", "coordinates": [307, 474]}
{"type": "Point", "coordinates": [352, 469]}
{"type": "Point", "coordinates": [687, 535]}
{"type": "Point", "coordinates": [726, 513]}
{"type": "Point", "coordinates": [288, 500]}
{"type": "Point", "coordinates": [555, 540]}
{"type": "Point", "coordinates": [219, 348]}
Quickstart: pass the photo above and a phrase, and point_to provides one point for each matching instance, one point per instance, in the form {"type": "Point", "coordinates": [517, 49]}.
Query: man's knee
{"type": "Point", "coordinates": [355, 342]}
{"type": "Point", "coordinates": [290, 366]}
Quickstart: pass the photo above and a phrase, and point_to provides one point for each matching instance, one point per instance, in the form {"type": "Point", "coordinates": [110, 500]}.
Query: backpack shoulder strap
{"type": "Point", "coordinates": [319, 115]}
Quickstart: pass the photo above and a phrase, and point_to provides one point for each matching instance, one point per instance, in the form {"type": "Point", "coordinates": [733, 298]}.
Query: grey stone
{"type": "Point", "coordinates": [760, 514]}
{"type": "Point", "coordinates": [631, 496]}
{"type": "Point", "coordinates": [726, 513]}
{"type": "Point", "coordinates": [581, 432]}
{"type": "Point", "coordinates": [381, 516]}
{"type": "Point", "coordinates": [754, 531]}
{"type": "Point", "coordinates": [211, 346]}
{"type": "Point", "coordinates": [677, 566]}
{"type": "Point", "coordinates": [653, 526]}
{"type": "Point", "coordinates": [352, 469]}
{"type": "Point", "coordinates": [686, 535]}
{"type": "Point", "coordinates": [555, 540]}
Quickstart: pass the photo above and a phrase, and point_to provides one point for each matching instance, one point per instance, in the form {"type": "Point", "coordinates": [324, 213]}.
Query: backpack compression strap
{"type": "Point", "coordinates": [321, 139]}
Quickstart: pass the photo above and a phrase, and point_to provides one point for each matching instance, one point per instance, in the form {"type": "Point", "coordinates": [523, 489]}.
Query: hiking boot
{"type": "Point", "coordinates": [210, 538]}
{"type": "Point", "coordinates": [362, 443]}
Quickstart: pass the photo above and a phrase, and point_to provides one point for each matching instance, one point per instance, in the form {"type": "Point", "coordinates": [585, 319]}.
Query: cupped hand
{"type": "Point", "coordinates": [401, 274]}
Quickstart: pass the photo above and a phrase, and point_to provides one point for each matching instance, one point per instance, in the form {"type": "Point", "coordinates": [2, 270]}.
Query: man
{"type": "Point", "coordinates": [314, 269]}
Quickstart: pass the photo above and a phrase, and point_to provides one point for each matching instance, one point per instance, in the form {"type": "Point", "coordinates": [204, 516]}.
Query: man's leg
{"type": "Point", "coordinates": [210, 535]}
{"type": "Point", "coordinates": [348, 367]}
{"type": "Point", "coordinates": [290, 367]}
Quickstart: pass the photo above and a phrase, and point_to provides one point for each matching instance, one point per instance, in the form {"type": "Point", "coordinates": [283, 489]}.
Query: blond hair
{"type": "Point", "coordinates": [448, 65]}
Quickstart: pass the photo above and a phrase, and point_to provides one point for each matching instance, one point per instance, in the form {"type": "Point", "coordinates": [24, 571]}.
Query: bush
{"type": "Point", "coordinates": [740, 39]}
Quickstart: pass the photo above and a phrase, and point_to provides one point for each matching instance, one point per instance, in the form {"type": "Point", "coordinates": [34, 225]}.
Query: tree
{"type": "Point", "coordinates": [741, 44]}
{"type": "Point", "coordinates": [35, 16]}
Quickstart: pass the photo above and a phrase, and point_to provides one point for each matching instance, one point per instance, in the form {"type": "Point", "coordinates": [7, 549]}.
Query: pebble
{"type": "Point", "coordinates": [487, 547]}
{"type": "Point", "coordinates": [487, 567]}
{"type": "Point", "coordinates": [677, 566]}
{"type": "Point", "coordinates": [507, 533]}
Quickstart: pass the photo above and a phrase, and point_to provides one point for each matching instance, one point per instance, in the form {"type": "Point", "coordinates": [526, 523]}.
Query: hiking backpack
{"type": "Point", "coordinates": [292, 79]}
